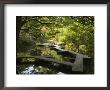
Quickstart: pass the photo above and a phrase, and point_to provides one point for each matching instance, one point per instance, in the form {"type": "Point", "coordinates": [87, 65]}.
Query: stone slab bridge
{"type": "Point", "coordinates": [76, 66]}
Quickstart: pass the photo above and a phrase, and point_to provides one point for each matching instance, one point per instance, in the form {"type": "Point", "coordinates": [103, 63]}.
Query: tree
{"type": "Point", "coordinates": [76, 32]}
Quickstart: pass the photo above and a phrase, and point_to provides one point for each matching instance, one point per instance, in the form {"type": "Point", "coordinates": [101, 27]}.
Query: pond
{"type": "Point", "coordinates": [38, 66]}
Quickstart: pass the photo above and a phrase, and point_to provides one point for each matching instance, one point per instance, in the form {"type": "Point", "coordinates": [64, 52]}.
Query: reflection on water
{"type": "Point", "coordinates": [34, 66]}
{"type": "Point", "coordinates": [34, 69]}
{"type": "Point", "coordinates": [29, 70]}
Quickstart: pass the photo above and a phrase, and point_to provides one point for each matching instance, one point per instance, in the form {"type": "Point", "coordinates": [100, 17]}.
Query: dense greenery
{"type": "Point", "coordinates": [74, 33]}
{"type": "Point", "coordinates": [43, 35]}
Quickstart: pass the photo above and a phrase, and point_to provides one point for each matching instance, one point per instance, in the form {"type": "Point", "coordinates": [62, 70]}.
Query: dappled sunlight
{"type": "Point", "coordinates": [56, 42]}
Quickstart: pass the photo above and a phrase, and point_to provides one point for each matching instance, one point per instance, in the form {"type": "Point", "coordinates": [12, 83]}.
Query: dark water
{"type": "Point", "coordinates": [37, 66]}
{"type": "Point", "coordinates": [35, 69]}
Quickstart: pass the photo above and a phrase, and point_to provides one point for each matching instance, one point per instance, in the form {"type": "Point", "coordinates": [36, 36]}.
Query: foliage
{"type": "Point", "coordinates": [76, 32]}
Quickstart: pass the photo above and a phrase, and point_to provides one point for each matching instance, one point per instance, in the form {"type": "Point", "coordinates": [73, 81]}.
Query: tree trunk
{"type": "Point", "coordinates": [18, 27]}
